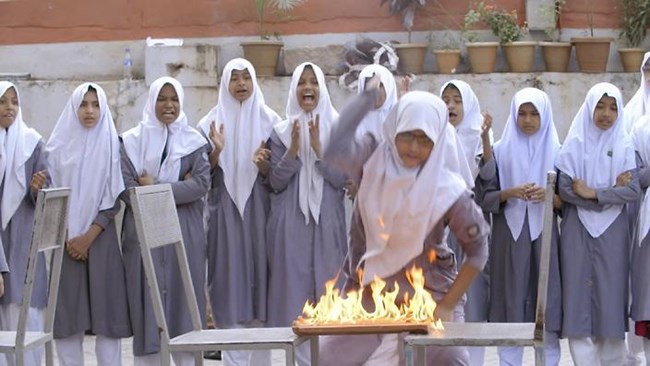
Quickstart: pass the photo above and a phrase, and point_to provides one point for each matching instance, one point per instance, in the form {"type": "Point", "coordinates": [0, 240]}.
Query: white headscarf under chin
{"type": "Point", "coordinates": [144, 144]}
{"type": "Point", "coordinates": [246, 125]}
{"type": "Point", "coordinates": [469, 129]}
{"type": "Point", "coordinates": [526, 159]}
{"type": "Point", "coordinates": [400, 206]}
{"type": "Point", "coordinates": [641, 139]}
{"type": "Point", "coordinates": [639, 105]}
{"type": "Point", "coordinates": [597, 156]}
{"type": "Point", "coordinates": [310, 182]}
{"type": "Point", "coordinates": [373, 120]}
{"type": "Point", "coordinates": [85, 159]}
{"type": "Point", "coordinates": [19, 144]}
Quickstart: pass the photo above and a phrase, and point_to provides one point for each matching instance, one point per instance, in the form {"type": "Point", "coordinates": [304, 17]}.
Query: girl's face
{"type": "Point", "coordinates": [451, 96]}
{"type": "Point", "coordinates": [605, 113]}
{"type": "Point", "coordinates": [88, 112]}
{"type": "Point", "coordinates": [413, 148]}
{"type": "Point", "coordinates": [168, 107]}
{"type": "Point", "coordinates": [240, 85]}
{"type": "Point", "coordinates": [308, 90]}
{"type": "Point", "coordinates": [528, 119]}
{"type": "Point", "coordinates": [381, 94]}
{"type": "Point", "coordinates": [8, 107]}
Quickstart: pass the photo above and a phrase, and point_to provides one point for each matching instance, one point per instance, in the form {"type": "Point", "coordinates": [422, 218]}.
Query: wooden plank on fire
{"type": "Point", "coordinates": [369, 328]}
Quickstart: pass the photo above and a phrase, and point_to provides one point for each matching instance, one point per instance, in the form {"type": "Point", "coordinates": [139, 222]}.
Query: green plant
{"type": "Point", "coordinates": [407, 8]}
{"type": "Point", "coordinates": [552, 14]}
{"type": "Point", "coordinates": [278, 5]}
{"type": "Point", "coordinates": [504, 24]}
{"type": "Point", "coordinates": [634, 21]}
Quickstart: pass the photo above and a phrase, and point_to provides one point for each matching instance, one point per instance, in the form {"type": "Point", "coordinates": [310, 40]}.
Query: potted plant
{"type": "Point", "coordinates": [635, 23]}
{"type": "Point", "coordinates": [505, 26]}
{"type": "Point", "coordinates": [411, 55]}
{"type": "Point", "coordinates": [592, 53]}
{"type": "Point", "coordinates": [482, 55]}
{"type": "Point", "coordinates": [446, 51]}
{"type": "Point", "coordinates": [264, 53]}
{"type": "Point", "coordinates": [556, 53]}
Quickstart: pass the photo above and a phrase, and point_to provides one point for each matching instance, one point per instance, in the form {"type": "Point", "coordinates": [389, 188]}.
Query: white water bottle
{"type": "Point", "coordinates": [127, 65]}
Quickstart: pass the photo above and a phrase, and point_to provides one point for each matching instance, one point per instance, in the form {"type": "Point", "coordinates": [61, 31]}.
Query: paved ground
{"type": "Point", "coordinates": [491, 358]}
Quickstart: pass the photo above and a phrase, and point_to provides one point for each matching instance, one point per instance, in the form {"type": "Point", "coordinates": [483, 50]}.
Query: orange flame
{"type": "Point", "coordinates": [332, 308]}
{"type": "Point", "coordinates": [432, 255]}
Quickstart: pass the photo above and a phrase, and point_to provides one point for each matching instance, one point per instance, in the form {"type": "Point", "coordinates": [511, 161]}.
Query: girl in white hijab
{"type": "Point", "coordinates": [465, 115]}
{"type": "Point", "coordinates": [163, 148]}
{"type": "Point", "coordinates": [597, 178]}
{"type": "Point", "coordinates": [639, 105]}
{"type": "Point", "coordinates": [475, 137]}
{"type": "Point", "coordinates": [373, 121]}
{"type": "Point", "coordinates": [640, 308]}
{"type": "Point", "coordinates": [306, 226]}
{"type": "Point", "coordinates": [515, 198]}
{"type": "Point", "coordinates": [239, 205]}
{"type": "Point", "coordinates": [413, 185]}
{"type": "Point", "coordinates": [22, 174]}
{"type": "Point", "coordinates": [83, 154]}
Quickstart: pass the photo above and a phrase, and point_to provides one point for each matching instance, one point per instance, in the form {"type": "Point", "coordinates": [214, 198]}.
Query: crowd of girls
{"type": "Point", "coordinates": [417, 172]}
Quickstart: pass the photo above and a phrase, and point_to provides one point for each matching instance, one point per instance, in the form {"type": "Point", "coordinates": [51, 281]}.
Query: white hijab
{"type": "Point", "coordinates": [17, 143]}
{"type": "Point", "coordinates": [526, 159]}
{"type": "Point", "coordinates": [641, 140]}
{"type": "Point", "coordinates": [85, 159]}
{"type": "Point", "coordinates": [639, 105]}
{"type": "Point", "coordinates": [469, 129]}
{"type": "Point", "coordinates": [246, 125]}
{"type": "Point", "coordinates": [597, 156]}
{"type": "Point", "coordinates": [310, 182]}
{"type": "Point", "coordinates": [374, 119]}
{"type": "Point", "coordinates": [144, 143]}
{"type": "Point", "coordinates": [400, 206]}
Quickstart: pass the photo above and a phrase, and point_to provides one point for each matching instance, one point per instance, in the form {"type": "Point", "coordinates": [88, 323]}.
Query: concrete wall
{"type": "Point", "coordinates": [42, 101]}
{"type": "Point", "coordinates": [103, 60]}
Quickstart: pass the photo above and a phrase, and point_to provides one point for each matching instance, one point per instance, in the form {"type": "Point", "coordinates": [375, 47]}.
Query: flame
{"type": "Point", "coordinates": [432, 255]}
{"type": "Point", "coordinates": [332, 308]}
{"type": "Point", "coordinates": [383, 236]}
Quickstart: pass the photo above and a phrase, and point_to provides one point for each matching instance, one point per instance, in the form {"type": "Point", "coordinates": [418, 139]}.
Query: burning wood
{"type": "Point", "coordinates": [334, 314]}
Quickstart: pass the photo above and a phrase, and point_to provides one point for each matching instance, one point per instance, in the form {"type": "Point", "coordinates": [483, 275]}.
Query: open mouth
{"type": "Point", "coordinates": [308, 97]}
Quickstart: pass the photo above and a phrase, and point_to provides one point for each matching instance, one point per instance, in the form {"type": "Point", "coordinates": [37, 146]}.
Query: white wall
{"type": "Point", "coordinates": [43, 100]}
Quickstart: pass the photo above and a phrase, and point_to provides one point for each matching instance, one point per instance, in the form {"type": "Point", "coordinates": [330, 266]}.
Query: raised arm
{"type": "Point", "coordinates": [344, 152]}
{"type": "Point", "coordinates": [283, 165]}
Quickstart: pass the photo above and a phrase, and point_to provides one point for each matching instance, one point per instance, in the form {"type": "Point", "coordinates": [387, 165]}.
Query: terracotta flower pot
{"type": "Point", "coordinates": [556, 55]}
{"type": "Point", "coordinates": [592, 53]}
{"type": "Point", "coordinates": [447, 60]}
{"type": "Point", "coordinates": [482, 56]}
{"type": "Point", "coordinates": [411, 57]}
{"type": "Point", "coordinates": [263, 55]}
{"type": "Point", "coordinates": [631, 58]}
{"type": "Point", "coordinates": [519, 55]}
